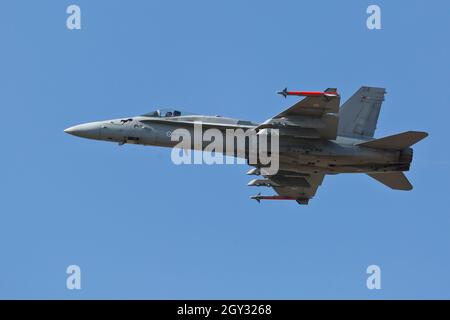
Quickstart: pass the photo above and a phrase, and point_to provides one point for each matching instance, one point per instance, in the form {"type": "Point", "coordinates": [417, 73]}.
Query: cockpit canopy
{"type": "Point", "coordinates": [165, 113]}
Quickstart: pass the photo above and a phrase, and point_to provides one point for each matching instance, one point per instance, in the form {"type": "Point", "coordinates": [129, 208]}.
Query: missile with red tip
{"type": "Point", "coordinates": [330, 92]}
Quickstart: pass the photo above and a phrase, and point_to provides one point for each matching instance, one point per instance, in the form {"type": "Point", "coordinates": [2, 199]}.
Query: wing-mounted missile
{"type": "Point", "coordinates": [259, 197]}
{"type": "Point", "coordinates": [258, 171]}
{"type": "Point", "coordinates": [262, 183]}
{"type": "Point", "coordinates": [315, 117]}
{"type": "Point", "coordinates": [254, 172]}
{"type": "Point", "coordinates": [330, 92]}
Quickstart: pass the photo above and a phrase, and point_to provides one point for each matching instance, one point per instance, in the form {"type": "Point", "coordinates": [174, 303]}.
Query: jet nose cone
{"type": "Point", "coordinates": [86, 130]}
{"type": "Point", "coordinates": [71, 130]}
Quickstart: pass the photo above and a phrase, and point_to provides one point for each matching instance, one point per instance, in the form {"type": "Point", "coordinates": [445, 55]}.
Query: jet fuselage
{"type": "Point", "coordinates": [341, 155]}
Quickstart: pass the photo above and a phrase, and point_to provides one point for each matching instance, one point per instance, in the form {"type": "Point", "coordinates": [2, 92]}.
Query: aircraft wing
{"type": "Point", "coordinates": [311, 117]}
{"type": "Point", "coordinates": [290, 185]}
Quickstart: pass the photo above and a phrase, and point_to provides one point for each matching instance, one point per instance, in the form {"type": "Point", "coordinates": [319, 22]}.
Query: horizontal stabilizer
{"type": "Point", "coordinates": [394, 180]}
{"type": "Point", "coordinates": [397, 141]}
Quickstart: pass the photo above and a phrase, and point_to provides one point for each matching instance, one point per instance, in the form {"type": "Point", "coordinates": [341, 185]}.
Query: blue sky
{"type": "Point", "coordinates": [141, 227]}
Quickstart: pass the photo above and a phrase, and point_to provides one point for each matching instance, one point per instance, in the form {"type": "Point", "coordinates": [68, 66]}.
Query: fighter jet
{"type": "Point", "coordinates": [317, 137]}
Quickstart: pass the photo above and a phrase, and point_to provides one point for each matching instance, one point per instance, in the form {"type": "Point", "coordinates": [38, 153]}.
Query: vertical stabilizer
{"type": "Point", "coordinates": [358, 116]}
